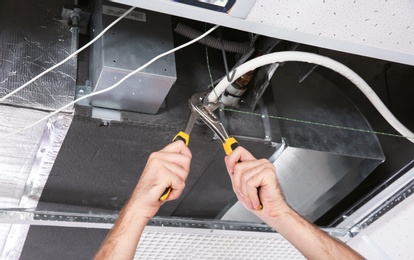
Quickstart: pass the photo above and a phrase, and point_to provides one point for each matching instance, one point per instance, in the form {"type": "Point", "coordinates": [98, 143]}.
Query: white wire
{"type": "Point", "coordinates": [320, 60]}
{"type": "Point", "coordinates": [69, 57]}
{"type": "Point", "coordinates": [116, 84]}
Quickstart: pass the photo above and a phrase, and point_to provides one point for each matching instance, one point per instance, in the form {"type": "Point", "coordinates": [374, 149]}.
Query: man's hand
{"type": "Point", "coordinates": [254, 181]}
{"type": "Point", "coordinates": [168, 167]}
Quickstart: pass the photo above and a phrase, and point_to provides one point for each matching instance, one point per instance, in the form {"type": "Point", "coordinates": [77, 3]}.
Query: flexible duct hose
{"type": "Point", "coordinates": [322, 61]}
{"type": "Point", "coordinates": [230, 46]}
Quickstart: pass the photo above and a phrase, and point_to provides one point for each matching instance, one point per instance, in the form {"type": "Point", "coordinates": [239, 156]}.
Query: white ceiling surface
{"type": "Point", "coordinates": [26, 159]}
{"type": "Point", "coordinates": [379, 29]}
{"type": "Point", "coordinates": [379, 24]}
{"type": "Point", "coordinates": [391, 236]}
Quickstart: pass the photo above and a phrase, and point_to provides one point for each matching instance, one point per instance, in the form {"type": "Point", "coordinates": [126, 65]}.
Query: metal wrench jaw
{"type": "Point", "coordinates": [199, 105]}
{"type": "Point", "coordinates": [192, 118]}
{"type": "Point", "coordinates": [206, 114]}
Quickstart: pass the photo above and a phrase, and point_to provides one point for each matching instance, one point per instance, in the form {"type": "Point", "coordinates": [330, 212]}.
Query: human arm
{"type": "Point", "coordinates": [168, 167]}
{"type": "Point", "coordinates": [253, 179]}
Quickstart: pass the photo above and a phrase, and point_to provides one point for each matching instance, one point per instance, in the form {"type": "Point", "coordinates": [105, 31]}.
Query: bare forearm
{"type": "Point", "coordinates": [122, 240]}
{"type": "Point", "coordinates": [248, 175]}
{"type": "Point", "coordinates": [312, 242]}
{"type": "Point", "coordinates": [168, 167]}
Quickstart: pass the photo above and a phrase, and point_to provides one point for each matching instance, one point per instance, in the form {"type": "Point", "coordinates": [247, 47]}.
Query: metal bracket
{"type": "Point", "coordinates": [230, 78]}
{"type": "Point", "coordinates": [107, 115]}
{"type": "Point", "coordinates": [69, 14]}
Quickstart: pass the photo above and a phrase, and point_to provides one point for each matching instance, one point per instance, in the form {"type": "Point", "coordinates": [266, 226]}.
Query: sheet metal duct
{"type": "Point", "coordinates": [131, 43]}
{"type": "Point", "coordinates": [321, 164]}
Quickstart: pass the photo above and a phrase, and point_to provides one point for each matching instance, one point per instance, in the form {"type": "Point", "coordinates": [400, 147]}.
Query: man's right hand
{"type": "Point", "coordinates": [167, 168]}
{"type": "Point", "coordinates": [255, 181]}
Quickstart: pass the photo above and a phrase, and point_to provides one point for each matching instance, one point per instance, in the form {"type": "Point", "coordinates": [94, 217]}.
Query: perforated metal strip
{"type": "Point", "coordinates": [173, 238]}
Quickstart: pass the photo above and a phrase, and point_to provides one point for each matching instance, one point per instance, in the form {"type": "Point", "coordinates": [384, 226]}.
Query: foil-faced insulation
{"type": "Point", "coordinates": [26, 159]}
{"type": "Point", "coordinates": [17, 155]}
{"type": "Point", "coordinates": [33, 38]}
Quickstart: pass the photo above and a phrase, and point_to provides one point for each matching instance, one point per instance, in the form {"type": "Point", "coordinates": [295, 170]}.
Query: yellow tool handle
{"type": "Point", "coordinates": [183, 136]}
{"type": "Point", "coordinates": [229, 146]}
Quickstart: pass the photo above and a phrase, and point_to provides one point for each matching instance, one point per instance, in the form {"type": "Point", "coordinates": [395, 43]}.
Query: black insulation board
{"type": "Point", "coordinates": [62, 243]}
{"type": "Point", "coordinates": [98, 167]}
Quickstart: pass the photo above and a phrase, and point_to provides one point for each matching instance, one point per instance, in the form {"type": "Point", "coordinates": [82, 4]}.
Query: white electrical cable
{"type": "Point", "coordinates": [116, 84]}
{"type": "Point", "coordinates": [319, 60]}
{"type": "Point", "coordinates": [69, 57]}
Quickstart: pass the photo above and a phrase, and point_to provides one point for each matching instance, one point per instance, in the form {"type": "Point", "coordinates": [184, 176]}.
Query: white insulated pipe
{"type": "Point", "coordinates": [319, 60]}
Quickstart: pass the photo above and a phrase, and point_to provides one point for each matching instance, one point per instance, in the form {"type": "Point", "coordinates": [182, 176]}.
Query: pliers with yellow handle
{"type": "Point", "coordinates": [200, 109]}
{"type": "Point", "coordinates": [206, 114]}
{"type": "Point", "coordinates": [185, 137]}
